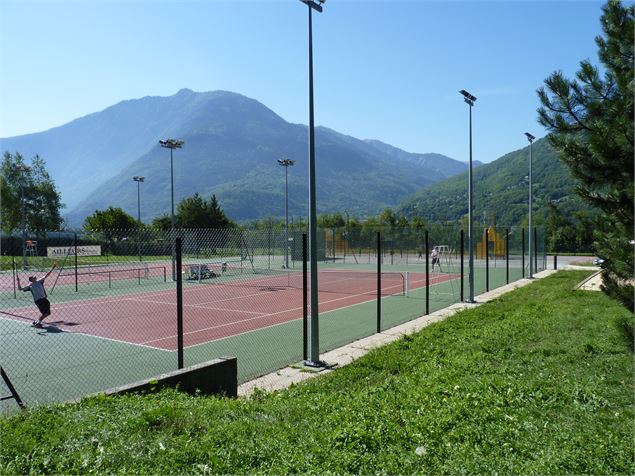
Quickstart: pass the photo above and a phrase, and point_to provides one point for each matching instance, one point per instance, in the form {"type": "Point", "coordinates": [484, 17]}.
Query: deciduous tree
{"type": "Point", "coordinates": [42, 202]}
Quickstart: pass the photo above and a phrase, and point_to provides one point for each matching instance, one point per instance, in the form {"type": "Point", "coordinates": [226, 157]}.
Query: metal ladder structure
{"type": "Point", "coordinates": [14, 393]}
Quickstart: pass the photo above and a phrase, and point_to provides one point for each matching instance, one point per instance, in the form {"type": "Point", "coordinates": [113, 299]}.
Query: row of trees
{"type": "Point", "coordinates": [29, 194]}
{"type": "Point", "coordinates": [42, 212]}
{"type": "Point", "coordinates": [191, 212]}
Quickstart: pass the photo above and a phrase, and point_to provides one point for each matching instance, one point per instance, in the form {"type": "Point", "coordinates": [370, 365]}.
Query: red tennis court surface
{"type": "Point", "coordinates": [213, 311]}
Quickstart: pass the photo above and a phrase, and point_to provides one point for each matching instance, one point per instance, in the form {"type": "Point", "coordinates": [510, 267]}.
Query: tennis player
{"type": "Point", "coordinates": [39, 296]}
{"type": "Point", "coordinates": [435, 258]}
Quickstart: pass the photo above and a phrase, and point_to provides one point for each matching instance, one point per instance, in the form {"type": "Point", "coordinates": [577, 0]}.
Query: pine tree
{"type": "Point", "coordinates": [590, 120]}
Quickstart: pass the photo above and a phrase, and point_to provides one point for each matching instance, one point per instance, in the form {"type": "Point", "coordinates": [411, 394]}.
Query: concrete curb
{"type": "Point", "coordinates": [592, 283]}
{"type": "Point", "coordinates": [342, 356]}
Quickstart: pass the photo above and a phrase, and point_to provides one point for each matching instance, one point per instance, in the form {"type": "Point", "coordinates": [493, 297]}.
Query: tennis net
{"type": "Point", "coordinates": [329, 280]}
{"type": "Point", "coordinates": [93, 275]}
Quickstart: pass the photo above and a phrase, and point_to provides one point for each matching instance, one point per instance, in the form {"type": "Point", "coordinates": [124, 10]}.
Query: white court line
{"type": "Point", "coordinates": [70, 331]}
{"type": "Point", "coordinates": [287, 322]}
{"type": "Point", "coordinates": [120, 341]}
{"type": "Point", "coordinates": [102, 300]}
{"type": "Point", "coordinates": [269, 315]}
{"type": "Point", "coordinates": [199, 306]}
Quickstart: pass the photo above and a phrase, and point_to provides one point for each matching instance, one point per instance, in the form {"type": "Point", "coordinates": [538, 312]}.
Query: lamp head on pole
{"type": "Point", "coordinates": [138, 178]}
{"type": "Point", "coordinates": [467, 97]}
{"type": "Point", "coordinates": [171, 143]}
{"type": "Point", "coordinates": [530, 138]}
{"type": "Point", "coordinates": [286, 162]}
{"type": "Point", "coordinates": [313, 5]}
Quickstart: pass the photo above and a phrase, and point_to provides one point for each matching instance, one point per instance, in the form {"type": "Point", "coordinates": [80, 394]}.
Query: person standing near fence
{"type": "Point", "coordinates": [40, 298]}
{"type": "Point", "coordinates": [435, 258]}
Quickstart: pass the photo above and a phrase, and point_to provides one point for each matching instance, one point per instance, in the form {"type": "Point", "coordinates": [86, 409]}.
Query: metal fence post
{"type": "Point", "coordinates": [507, 255]}
{"type": "Point", "coordinates": [333, 242]}
{"type": "Point", "coordinates": [427, 275]}
{"type": "Point", "coordinates": [75, 245]}
{"type": "Point", "coordinates": [555, 261]}
{"type": "Point", "coordinates": [462, 269]}
{"type": "Point", "coordinates": [378, 281]}
{"type": "Point", "coordinates": [522, 242]}
{"type": "Point", "coordinates": [305, 303]}
{"type": "Point", "coordinates": [486, 259]}
{"type": "Point", "coordinates": [14, 272]}
{"type": "Point", "coordinates": [179, 304]}
{"type": "Point", "coordinates": [535, 249]}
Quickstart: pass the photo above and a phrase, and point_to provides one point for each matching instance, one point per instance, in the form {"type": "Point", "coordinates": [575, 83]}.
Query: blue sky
{"type": "Point", "coordinates": [387, 70]}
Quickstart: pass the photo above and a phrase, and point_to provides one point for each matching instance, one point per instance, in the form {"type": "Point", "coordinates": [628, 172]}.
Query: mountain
{"type": "Point", "coordinates": [434, 162]}
{"type": "Point", "coordinates": [501, 190]}
{"type": "Point", "coordinates": [231, 147]}
{"type": "Point", "coordinates": [88, 150]}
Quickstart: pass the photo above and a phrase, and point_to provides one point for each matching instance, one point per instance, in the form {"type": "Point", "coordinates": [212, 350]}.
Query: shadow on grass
{"type": "Point", "coordinates": [626, 328]}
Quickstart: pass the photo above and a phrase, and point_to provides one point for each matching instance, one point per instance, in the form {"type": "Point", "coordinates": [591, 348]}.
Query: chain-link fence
{"type": "Point", "coordinates": [113, 317]}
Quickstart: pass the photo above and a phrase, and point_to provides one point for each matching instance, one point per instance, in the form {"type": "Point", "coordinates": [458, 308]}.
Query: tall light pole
{"type": "Point", "coordinates": [469, 99]}
{"type": "Point", "coordinates": [172, 144]}
{"type": "Point", "coordinates": [286, 163]}
{"type": "Point", "coordinates": [315, 341]}
{"type": "Point", "coordinates": [139, 179]}
{"type": "Point", "coordinates": [530, 138]}
{"type": "Point", "coordinates": [21, 169]}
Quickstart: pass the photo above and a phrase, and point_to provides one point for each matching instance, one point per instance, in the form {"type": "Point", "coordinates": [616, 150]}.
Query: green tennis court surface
{"type": "Point", "coordinates": [57, 363]}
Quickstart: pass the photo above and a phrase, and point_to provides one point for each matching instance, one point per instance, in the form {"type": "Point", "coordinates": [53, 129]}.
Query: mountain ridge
{"type": "Point", "coordinates": [232, 144]}
{"type": "Point", "coordinates": [501, 193]}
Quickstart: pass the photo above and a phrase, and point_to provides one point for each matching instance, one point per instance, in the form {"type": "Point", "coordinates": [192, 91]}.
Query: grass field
{"type": "Point", "coordinates": [538, 381]}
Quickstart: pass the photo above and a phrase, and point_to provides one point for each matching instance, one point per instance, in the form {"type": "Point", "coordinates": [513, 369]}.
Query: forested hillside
{"type": "Point", "coordinates": [501, 190]}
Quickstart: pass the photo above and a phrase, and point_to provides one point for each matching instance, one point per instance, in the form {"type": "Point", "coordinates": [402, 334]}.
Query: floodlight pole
{"type": "Point", "coordinates": [138, 179]}
{"type": "Point", "coordinates": [315, 342]}
{"type": "Point", "coordinates": [530, 138]}
{"type": "Point", "coordinates": [469, 99]}
{"type": "Point", "coordinates": [286, 163]}
{"type": "Point", "coordinates": [22, 168]}
{"type": "Point", "coordinates": [172, 144]}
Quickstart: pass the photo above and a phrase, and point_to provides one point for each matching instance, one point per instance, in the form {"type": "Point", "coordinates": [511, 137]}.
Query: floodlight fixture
{"type": "Point", "coordinates": [467, 97]}
{"type": "Point", "coordinates": [172, 144]}
{"type": "Point", "coordinates": [530, 138]}
{"type": "Point", "coordinates": [139, 179]}
{"type": "Point", "coordinates": [20, 168]}
{"type": "Point", "coordinates": [286, 163]}
{"type": "Point", "coordinates": [313, 5]}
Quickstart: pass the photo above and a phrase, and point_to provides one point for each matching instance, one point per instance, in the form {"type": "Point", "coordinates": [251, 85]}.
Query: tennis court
{"type": "Point", "coordinates": [92, 343]}
{"type": "Point", "coordinates": [214, 311]}
{"type": "Point", "coordinates": [114, 321]}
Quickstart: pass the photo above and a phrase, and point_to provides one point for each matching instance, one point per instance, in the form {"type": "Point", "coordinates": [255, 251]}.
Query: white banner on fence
{"type": "Point", "coordinates": [62, 251]}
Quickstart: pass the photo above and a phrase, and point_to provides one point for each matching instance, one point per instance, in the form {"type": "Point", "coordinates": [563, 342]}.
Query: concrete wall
{"type": "Point", "coordinates": [215, 377]}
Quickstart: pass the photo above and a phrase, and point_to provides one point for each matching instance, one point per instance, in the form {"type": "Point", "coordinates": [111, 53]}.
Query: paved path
{"type": "Point", "coordinates": [345, 355]}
